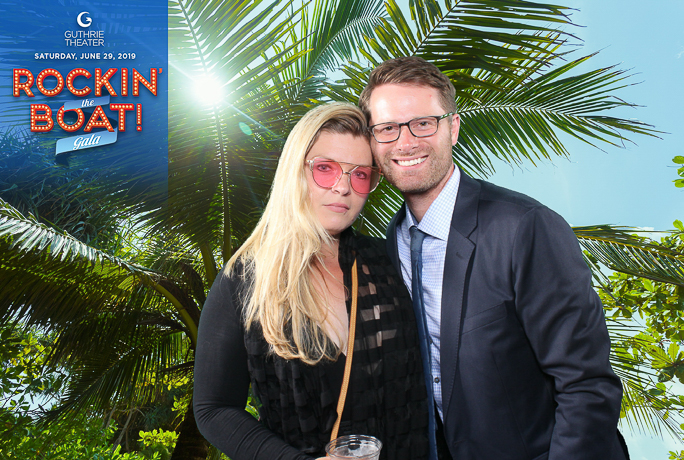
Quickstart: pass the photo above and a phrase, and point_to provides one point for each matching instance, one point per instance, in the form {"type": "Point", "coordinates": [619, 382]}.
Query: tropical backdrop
{"type": "Point", "coordinates": [101, 286]}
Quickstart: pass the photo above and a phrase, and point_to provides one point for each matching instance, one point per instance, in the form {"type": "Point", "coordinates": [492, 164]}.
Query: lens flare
{"type": "Point", "coordinates": [208, 90]}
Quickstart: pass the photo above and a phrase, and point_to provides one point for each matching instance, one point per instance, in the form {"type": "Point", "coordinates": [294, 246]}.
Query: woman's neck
{"type": "Point", "coordinates": [329, 280]}
{"type": "Point", "coordinates": [329, 251]}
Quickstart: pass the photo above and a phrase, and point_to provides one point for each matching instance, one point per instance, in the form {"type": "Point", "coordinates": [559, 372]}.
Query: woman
{"type": "Point", "coordinates": [277, 316]}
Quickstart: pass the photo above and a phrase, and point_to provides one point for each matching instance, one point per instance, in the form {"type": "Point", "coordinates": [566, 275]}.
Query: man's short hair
{"type": "Point", "coordinates": [410, 70]}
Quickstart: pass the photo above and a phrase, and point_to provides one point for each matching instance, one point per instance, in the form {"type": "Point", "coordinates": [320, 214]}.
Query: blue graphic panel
{"type": "Point", "coordinates": [88, 81]}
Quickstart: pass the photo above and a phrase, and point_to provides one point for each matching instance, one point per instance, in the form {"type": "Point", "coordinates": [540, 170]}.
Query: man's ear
{"type": "Point", "coordinates": [455, 127]}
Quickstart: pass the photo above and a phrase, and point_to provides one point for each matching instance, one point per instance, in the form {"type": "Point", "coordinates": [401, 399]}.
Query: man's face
{"type": "Point", "coordinates": [413, 165]}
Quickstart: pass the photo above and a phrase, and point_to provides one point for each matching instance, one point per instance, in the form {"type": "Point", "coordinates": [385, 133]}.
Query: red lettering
{"type": "Point", "coordinates": [70, 82]}
{"type": "Point", "coordinates": [50, 73]}
{"type": "Point", "coordinates": [103, 80]}
{"type": "Point", "coordinates": [124, 81]}
{"type": "Point", "coordinates": [98, 120]}
{"type": "Point", "coordinates": [122, 108]}
{"type": "Point", "coordinates": [46, 116]}
{"type": "Point", "coordinates": [70, 128]}
{"type": "Point", "coordinates": [18, 86]}
{"type": "Point", "coordinates": [151, 85]}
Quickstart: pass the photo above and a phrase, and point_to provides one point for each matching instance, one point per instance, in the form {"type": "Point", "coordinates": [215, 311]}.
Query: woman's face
{"type": "Point", "coordinates": [338, 207]}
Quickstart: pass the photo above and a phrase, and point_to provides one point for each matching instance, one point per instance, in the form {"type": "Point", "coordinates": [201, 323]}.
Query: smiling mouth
{"type": "Point", "coordinates": [412, 162]}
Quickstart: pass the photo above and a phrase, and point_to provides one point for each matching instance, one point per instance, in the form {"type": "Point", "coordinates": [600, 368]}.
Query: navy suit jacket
{"type": "Point", "coordinates": [524, 345]}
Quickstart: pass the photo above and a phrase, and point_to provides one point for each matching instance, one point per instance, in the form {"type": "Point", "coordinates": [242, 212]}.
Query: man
{"type": "Point", "coordinates": [514, 338]}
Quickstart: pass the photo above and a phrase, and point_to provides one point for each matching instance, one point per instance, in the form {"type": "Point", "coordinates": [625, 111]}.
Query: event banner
{"type": "Point", "coordinates": [87, 82]}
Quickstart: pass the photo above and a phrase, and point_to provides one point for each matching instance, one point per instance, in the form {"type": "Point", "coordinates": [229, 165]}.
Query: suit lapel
{"type": "Point", "coordinates": [392, 247]}
{"type": "Point", "coordinates": [456, 268]}
{"type": "Point", "coordinates": [456, 265]}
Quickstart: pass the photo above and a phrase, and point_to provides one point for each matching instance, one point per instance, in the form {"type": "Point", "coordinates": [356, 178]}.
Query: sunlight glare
{"type": "Point", "coordinates": [208, 90]}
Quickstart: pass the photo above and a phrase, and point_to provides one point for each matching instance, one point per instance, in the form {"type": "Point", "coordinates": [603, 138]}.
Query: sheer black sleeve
{"type": "Point", "coordinates": [222, 382]}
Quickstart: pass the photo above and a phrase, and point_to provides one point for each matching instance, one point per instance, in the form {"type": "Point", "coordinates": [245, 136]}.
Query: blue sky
{"type": "Point", "coordinates": [631, 186]}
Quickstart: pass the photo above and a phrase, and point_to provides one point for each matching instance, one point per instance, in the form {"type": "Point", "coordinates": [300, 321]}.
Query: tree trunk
{"type": "Point", "coordinates": [191, 445]}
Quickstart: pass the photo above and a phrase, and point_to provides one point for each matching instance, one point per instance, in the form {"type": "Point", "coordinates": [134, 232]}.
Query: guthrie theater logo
{"type": "Point", "coordinates": [84, 37]}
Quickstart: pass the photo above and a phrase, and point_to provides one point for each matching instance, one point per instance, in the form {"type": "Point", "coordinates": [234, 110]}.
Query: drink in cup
{"type": "Point", "coordinates": [354, 447]}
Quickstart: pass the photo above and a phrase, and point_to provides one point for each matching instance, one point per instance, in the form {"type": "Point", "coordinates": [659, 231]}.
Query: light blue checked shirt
{"type": "Point", "coordinates": [436, 224]}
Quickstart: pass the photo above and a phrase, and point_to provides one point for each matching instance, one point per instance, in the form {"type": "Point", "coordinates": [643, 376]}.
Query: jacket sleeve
{"type": "Point", "coordinates": [222, 382]}
{"type": "Point", "coordinates": [565, 324]}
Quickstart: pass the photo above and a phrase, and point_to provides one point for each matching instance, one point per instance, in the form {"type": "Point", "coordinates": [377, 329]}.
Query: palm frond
{"type": "Point", "coordinates": [24, 236]}
{"type": "Point", "coordinates": [641, 407]}
{"type": "Point", "coordinates": [622, 250]}
{"type": "Point", "coordinates": [332, 33]}
{"type": "Point", "coordinates": [469, 35]}
{"type": "Point", "coordinates": [51, 279]}
{"type": "Point", "coordinates": [522, 119]}
{"type": "Point", "coordinates": [113, 332]}
{"type": "Point", "coordinates": [128, 372]}
{"type": "Point", "coordinates": [235, 43]}
{"type": "Point", "coordinates": [49, 274]}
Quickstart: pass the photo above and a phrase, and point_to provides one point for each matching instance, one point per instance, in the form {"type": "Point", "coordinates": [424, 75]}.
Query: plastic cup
{"type": "Point", "coordinates": [354, 447]}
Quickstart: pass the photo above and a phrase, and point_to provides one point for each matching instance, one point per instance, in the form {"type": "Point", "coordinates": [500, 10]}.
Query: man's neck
{"type": "Point", "coordinates": [419, 203]}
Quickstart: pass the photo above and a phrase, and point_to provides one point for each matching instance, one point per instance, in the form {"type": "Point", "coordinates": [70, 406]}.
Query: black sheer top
{"type": "Point", "coordinates": [386, 398]}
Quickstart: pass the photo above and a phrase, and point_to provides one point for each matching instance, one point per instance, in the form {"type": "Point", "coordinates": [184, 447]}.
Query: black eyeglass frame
{"type": "Point", "coordinates": [372, 168]}
{"type": "Point", "coordinates": [408, 125]}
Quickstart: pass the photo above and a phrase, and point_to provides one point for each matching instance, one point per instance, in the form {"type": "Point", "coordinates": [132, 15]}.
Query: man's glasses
{"type": "Point", "coordinates": [419, 127]}
{"type": "Point", "coordinates": [327, 173]}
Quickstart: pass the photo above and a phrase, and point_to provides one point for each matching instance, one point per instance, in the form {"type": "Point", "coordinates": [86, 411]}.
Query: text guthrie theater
{"type": "Point", "coordinates": [84, 37]}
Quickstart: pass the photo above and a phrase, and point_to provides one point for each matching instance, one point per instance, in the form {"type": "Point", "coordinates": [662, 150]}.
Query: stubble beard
{"type": "Point", "coordinates": [417, 182]}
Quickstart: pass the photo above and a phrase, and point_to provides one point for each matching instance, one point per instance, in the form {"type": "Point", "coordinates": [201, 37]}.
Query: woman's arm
{"type": "Point", "coordinates": [222, 382]}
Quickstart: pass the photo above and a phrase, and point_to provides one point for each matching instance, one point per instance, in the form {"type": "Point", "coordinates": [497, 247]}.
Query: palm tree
{"type": "Point", "coordinates": [643, 356]}
{"type": "Point", "coordinates": [126, 311]}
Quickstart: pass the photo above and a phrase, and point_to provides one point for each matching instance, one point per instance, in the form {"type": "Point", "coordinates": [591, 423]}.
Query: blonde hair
{"type": "Point", "coordinates": [279, 255]}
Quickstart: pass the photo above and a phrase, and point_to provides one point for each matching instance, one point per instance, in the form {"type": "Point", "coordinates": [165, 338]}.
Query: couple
{"type": "Point", "coordinates": [500, 351]}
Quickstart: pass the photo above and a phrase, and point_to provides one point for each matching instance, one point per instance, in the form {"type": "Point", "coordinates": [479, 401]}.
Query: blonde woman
{"type": "Point", "coordinates": [277, 317]}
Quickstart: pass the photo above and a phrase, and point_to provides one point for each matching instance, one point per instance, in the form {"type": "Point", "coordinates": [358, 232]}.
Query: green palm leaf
{"type": "Point", "coordinates": [115, 332]}
{"type": "Point", "coordinates": [128, 370]}
{"type": "Point", "coordinates": [44, 272]}
{"type": "Point", "coordinates": [468, 35]}
{"type": "Point", "coordinates": [522, 119]}
{"type": "Point", "coordinates": [233, 43]}
{"type": "Point", "coordinates": [25, 236]}
{"type": "Point", "coordinates": [51, 279]}
{"type": "Point", "coordinates": [620, 249]}
{"type": "Point", "coordinates": [647, 404]}
{"type": "Point", "coordinates": [641, 408]}
{"type": "Point", "coordinates": [332, 33]}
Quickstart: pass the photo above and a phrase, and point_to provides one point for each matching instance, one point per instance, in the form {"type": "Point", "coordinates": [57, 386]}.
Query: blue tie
{"type": "Point", "coordinates": [417, 238]}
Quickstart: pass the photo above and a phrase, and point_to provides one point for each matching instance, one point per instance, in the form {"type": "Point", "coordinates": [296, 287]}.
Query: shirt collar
{"type": "Point", "coordinates": [434, 222]}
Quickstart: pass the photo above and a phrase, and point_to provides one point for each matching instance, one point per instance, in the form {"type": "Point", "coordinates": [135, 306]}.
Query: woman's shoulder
{"type": "Point", "coordinates": [371, 252]}
{"type": "Point", "coordinates": [366, 245]}
{"type": "Point", "coordinates": [231, 284]}
{"type": "Point", "coordinates": [230, 276]}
